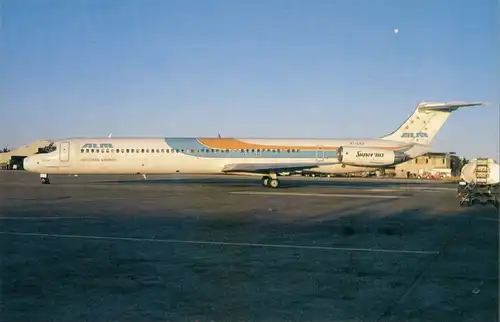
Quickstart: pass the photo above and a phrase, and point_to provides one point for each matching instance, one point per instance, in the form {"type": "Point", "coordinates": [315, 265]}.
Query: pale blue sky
{"type": "Point", "coordinates": [255, 68]}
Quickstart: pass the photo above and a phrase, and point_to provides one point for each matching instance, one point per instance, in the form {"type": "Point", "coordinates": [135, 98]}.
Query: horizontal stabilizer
{"type": "Point", "coordinates": [447, 106]}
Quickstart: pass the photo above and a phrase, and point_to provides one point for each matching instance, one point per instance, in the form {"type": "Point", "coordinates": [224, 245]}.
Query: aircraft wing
{"type": "Point", "coordinates": [269, 167]}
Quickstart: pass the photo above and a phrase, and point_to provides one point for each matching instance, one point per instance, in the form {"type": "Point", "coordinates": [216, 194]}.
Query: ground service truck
{"type": "Point", "coordinates": [479, 183]}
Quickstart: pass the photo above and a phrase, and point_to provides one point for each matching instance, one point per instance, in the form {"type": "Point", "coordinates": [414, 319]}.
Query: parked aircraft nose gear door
{"type": "Point", "coordinates": [64, 152]}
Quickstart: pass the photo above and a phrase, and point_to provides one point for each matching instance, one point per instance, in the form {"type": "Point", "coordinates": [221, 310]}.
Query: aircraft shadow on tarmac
{"type": "Point", "coordinates": [285, 183]}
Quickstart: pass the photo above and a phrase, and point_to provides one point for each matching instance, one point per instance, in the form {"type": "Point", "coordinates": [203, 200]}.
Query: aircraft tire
{"type": "Point", "coordinates": [274, 183]}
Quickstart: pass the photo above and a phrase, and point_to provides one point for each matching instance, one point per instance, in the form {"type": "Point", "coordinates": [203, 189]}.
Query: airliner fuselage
{"type": "Point", "coordinates": [198, 155]}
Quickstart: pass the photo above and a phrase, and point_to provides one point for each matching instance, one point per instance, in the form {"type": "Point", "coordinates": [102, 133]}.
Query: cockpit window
{"type": "Point", "coordinates": [47, 149]}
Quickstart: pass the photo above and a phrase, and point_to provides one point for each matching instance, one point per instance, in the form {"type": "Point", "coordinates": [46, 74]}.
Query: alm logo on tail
{"type": "Point", "coordinates": [414, 135]}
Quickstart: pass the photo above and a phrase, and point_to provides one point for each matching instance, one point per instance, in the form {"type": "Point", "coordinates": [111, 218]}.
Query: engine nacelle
{"type": "Point", "coordinates": [355, 156]}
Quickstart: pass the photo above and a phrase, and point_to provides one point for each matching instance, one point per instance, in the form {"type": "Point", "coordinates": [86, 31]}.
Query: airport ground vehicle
{"type": "Point", "coordinates": [480, 183]}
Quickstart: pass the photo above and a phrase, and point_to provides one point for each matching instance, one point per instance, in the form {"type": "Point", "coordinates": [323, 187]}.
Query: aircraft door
{"type": "Point", "coordinates": [320, 154]}
{"type": "Point", "coordinates": [64, 152]}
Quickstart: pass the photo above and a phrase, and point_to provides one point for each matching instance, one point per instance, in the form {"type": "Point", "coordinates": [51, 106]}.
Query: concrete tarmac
{"type": "Point", "coordinates": [200, 248]}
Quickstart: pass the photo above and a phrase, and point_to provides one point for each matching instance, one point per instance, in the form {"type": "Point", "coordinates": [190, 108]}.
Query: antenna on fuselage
{"type": "Point", "coordinates": [109, 135]}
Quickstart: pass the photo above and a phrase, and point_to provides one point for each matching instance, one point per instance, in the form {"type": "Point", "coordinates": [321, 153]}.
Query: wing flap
{"type": "Point", "coordinates": [268, 167]}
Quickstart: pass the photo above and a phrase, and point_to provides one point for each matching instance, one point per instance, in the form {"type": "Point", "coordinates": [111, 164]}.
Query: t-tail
{"type": "Point", "coordinates": [427, 119]}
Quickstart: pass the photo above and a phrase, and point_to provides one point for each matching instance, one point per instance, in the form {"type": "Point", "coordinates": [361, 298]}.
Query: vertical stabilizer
{"type": "Point", "coordinates": [425, 122]}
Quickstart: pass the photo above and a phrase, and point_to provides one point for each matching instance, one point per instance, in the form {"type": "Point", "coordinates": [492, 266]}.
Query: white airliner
{"type": "Point", "coordinates": [268, 157]}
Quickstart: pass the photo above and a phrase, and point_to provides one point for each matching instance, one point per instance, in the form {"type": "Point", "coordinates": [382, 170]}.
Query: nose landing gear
{"type": "Point", "coordinates": [44, 178]}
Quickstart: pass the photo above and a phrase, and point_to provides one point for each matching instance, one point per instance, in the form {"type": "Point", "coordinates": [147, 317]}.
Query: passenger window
{"type": "Point", "coordinates": [87, 150]}
{"type": "Point", "coordinates": [162, 150]}
{"type": "Point", "coordinates": [107, 150]}
{"type": "Point", "coordinates": [147, 150]}
{"type": "Point", "coordinates": [142, 150]}
{"type": "Point", "coordinates": [127, 150]}
{"type": "Point", "coordinates": [117, 150]}
{"type": "Point", "coordinates": [152, 150]}
{"type": "Point", "coordinates": [82, 150]}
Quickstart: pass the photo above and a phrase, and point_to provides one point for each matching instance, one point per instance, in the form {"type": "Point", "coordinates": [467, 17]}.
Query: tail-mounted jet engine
{"type": "Point", "coordinates": [368, 157]}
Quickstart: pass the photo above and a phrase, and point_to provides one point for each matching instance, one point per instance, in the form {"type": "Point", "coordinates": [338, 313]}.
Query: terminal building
{"type": "Point", "coordinates": [14, 159]}
{"type": "Point", "coordinates": [437, 162]}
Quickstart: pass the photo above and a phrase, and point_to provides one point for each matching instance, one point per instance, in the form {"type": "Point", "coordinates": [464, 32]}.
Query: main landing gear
{"type": "Point", "coordinates": [44, 178]}
{"type": "Point", "coordinates": [270, 181]}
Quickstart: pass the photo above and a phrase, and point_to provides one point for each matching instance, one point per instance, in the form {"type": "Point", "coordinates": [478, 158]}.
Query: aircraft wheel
{"type": "Point", "coordinates": [45, 180]}
{"type": "Point", "coordinates": [274, 183]}
{"type": "Point", "coordinates": [265, 181]}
